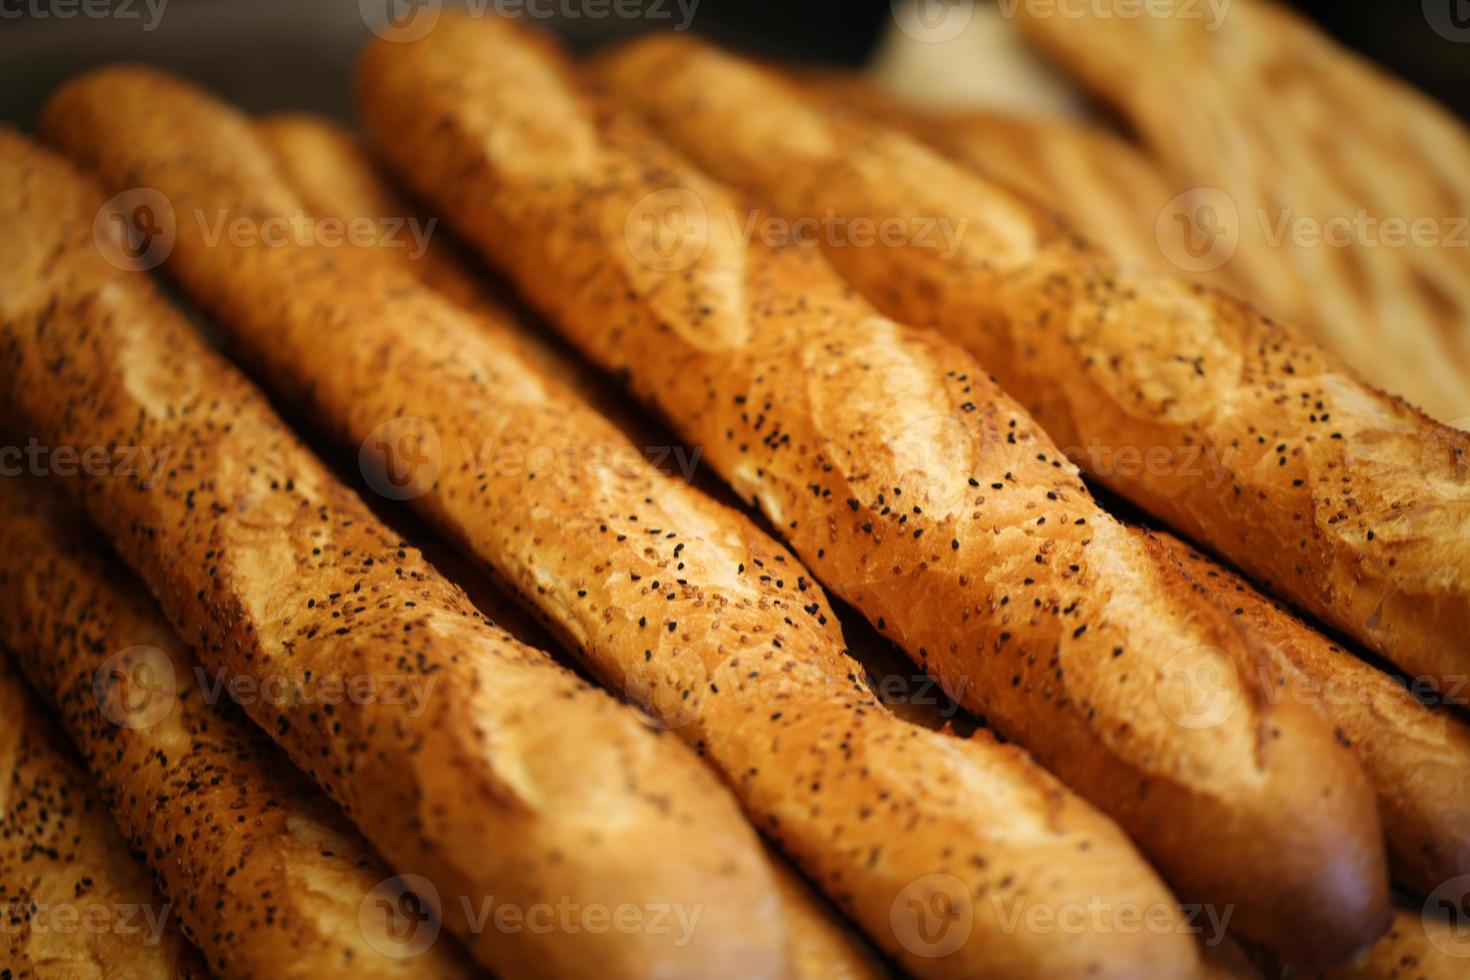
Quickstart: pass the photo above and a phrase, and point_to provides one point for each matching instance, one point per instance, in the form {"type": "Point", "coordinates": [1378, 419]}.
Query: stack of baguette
{"type": "Point", "coordinates": [1348, 501]}
{"type": "Point", "coordinates": [680, 604]}
{"type": "Point", "coordinates": [910, 484]}
{"type": "Point", "coordinates": [468, 760]}
{"type": "Point", "coordinates": [1178, 755]}
{"type": "Point", "coordinates": [261, 870]}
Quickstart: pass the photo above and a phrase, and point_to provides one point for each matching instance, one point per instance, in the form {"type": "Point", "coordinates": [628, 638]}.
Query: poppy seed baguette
{"type": "Point", "coordinates": [676, 601]}
{"type": "Point", "coordinates": [61, 856]}
{"type": "Point", "coordinates": [1417, 757]}
{"type": "Point", "coordinates": [464, 756]}
{"type": "Point", "coordinates": [331, 169]}
{"type": "Point", "coordinates": [1234, 429]}
{"type": "Point", "coordinates": [912, 486]}
{"type": "Point", "coordinates": [263, 871]}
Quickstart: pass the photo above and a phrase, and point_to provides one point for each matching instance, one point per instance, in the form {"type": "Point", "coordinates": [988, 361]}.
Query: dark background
{"type": "Point", "coordinates": [272, 54]}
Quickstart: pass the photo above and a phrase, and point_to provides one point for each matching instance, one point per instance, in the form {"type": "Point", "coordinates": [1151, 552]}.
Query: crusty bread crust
{"type": "Point", "coordinates": [902, 475]}
{"type": "Point", "coordinates": [73, 902]}
{"type": "Point", "coordinates": [334, 173]}
{"type": "Point", "coordinates": [679, 603]}
{"type": "Point", "coordinates": [1418, 946]}
{"type": "Point", "coordinates": [469, 759]}
{"type": "Point", "coordinates": [1234, 429]}
{"type": "Point", "coordinates": [1418, 758]}
{"type": "Point", "coordinates": [263, 871]}
{"type": "Point", "coordinates": [1261, 111]}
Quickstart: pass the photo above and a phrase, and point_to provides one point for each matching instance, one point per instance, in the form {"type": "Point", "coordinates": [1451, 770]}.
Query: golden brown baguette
{"type": "Point", "coordinates": [912, 486]}
{"type": "Point", "coordinates": [465, 757]}
{"type": "Point", "coordinates": [1288, 134]}
{"type": "Point", "coordinates": [332, 170]}
{"type": "Point", "coordinates": [1421, 945]}
{"type": "Point", "coordinates": [264, 873]}
{"type": "Point", "coordinates": [73, 902]}
{"type": "Point", "coordinates": [683, 605]}
{"type": "Point", "coordinates": [1417, 758]}
{"type": "Point", "coordinates": [1234, 429]}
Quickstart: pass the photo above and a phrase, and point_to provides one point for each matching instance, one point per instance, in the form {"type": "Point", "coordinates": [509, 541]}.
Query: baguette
{"type": "Point", "coordinates": [1235, 430]}
{"type": "Point", "coordinates": [507, 780]}
{"type": "Point", "coordinates": [1289, 134]}
{"type": "Point", "coordinates": [1417, 758]}
{"type": "Point", "coordinates": [1419, 946]}
{"type": "Point", "coordinates": [912, 486]}
{"type": "Point", "coordinates": [677, 602]}
{"type": "Point", "coordinates": [266, 876]}
{"type": "Point", "coordinates": [332, 170]}
{"type": "Point", "coordinates": [73, 902]}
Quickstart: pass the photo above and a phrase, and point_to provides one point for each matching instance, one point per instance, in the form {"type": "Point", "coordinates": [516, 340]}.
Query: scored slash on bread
{"type": "Point", "coordinates": [1417, 757]}
{"type": "Point", "coordinates": [901, 474]}
{"type": "Point", "coordinates": [262, 871]}
{"type": "Point", "coordinates": [65, 870]}
{"type": "Point", "coordinates": [676, 601]}
{"type": "Point", "coordinates": [500, 775]}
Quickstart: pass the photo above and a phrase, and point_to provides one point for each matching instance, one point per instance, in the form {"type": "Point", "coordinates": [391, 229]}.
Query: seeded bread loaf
{"type": "Point", "coordinates": [262, 871]}
{"type": "Point", "coordinates": [677, 602]}
{"type": "Point", "coordinates": [73, 901]}
{"type": "Point", "coordinates": [1417, 758]}
{"type": "Point", "coordinates": [1232, 428]}
{"type": "Point", "coordinates": [907, 481]}
{"type": "Point", "coordinates": [465, 757]}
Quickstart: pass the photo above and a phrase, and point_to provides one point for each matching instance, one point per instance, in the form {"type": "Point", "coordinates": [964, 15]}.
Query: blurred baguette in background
{"type": "Point", "coordinates": [1332, 194]}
